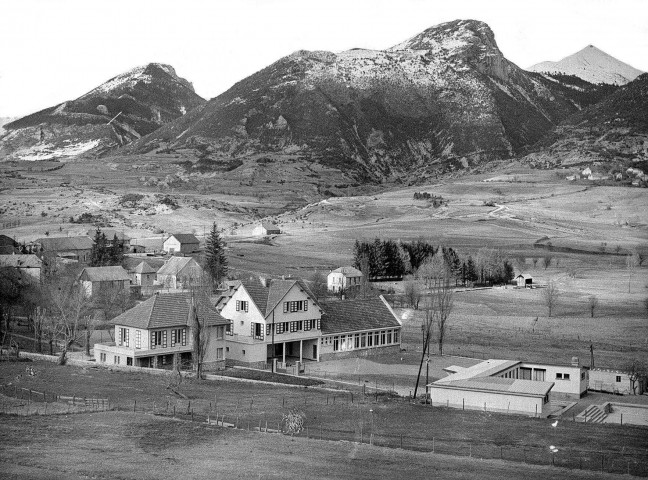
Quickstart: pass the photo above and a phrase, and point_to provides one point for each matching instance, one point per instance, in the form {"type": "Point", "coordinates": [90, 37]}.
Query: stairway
{"type": "Point", "coordinates": [592, 414]}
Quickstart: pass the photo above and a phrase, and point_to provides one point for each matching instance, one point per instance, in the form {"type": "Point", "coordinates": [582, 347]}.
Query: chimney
{"type": "Point", "coordinates": [263, 281]}
{"type": "Point", "coordinates": [575, 362]}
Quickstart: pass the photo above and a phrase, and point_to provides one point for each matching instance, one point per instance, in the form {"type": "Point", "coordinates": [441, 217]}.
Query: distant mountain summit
{"type": "Point", "coordinates": [592, 65]}
{"type": "Point", "coordinates": [445, 99]}
{"type": "Point", "coordinates": [115, 113]}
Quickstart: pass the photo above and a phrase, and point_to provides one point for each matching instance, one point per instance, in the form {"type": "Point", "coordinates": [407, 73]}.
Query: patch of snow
{"type": "Point", "coordinates": [49, 151]}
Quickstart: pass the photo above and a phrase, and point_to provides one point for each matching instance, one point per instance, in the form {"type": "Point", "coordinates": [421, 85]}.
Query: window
{"type": "Point", "coordinates": [138, 339]}
{"type": "Point", "coordinates": [565, 376]}
{"type": "Point", "coordinates": [559, 376]}
{"type": "Point", "coordinates": [257, 330]}
{"type": "Point", "coordinates": [618, 379]}
{"type": "Point", "coordinates": [370, 339]}
{"type": "Point", "coordinates": [395, 336]}
{"type": "Point", "coordinates": [124, 337]}
{"type": "Point", "coordinates": [377, 338]}
{"type": "Point", "coordinates": [116, 360]}
{"type": "Point", "coordinates": [319, 324]}
{"type": "Point", "coordinates": [219, 354]}
{"type": "Point", "coordinates": [382, 337]}
{"type": "Point", "coordinates": [243, 352]}
{"type": "Point", "coordinates": [242, 305]}
{"type": "Point", "coordinates": [363, 340]}
{"type": "Point", "coordinates": [228, 329]}
{"type": "Point", "coordinates": [389, 336]}
{"type": "Point", "coordinates": [280, 328]}
{"type": "Point", "coordinates": [336, 344]}
{"type": "Point", "coordinates": [295, 306]}
{"type": "Point", "coordinates": [227, 349]}
{"type": "Point", "coordinates": [220, 331]}
{"type": "Point", "coordinates": [159, 339]}
{"type": "Point", "coordinates": [102, 357]}
{"type": "Point", "coordinates": [356, 341]}
{"type": "Point", "coordinates": [178, 336]}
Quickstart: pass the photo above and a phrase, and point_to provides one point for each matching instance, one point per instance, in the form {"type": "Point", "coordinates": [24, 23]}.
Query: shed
{"type": "Point", "coordinates": [181, 243]}
{"type": "Point", "coordinates": [524, 280]}
{"type": "Point", "coordinates": [266, 228]}
{"type": "Point", "coordinates": [96, 279]}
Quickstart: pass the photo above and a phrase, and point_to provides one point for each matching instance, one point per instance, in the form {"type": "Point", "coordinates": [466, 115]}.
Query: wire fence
{"type": "Point", "coordinates": [270, 419]}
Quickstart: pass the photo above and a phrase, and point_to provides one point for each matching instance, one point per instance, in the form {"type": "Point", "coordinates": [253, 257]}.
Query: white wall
{"type": "Point", "coordinates": [475, 400]}
{"type": "Point", "coordinates": [171, 244]}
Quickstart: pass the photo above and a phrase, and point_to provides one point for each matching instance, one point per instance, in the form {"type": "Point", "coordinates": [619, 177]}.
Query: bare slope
{"type": "Point", "coordinates": [137, 102]}
{"type": "Point", "coordinates": [592, 65]}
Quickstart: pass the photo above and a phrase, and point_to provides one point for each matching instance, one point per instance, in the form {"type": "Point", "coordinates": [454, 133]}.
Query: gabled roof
{"type": "Point", "coordinates": [20, 261]}
{"type": "Point", "coordinates": [104, 274]}
{"type": "Point", "coordinates": [348, 271]}
{"type": "Point", "coordinates": [176, 265]}
{"type": "Point", "coordinates": [184, 238]}
{"type": "Point", "coordinates": [7, 241]}
{"type": "Point", "coordinates": [269, 226]}
{"type": "Point", "coordinates": [144, 268]}
{"type": "Point", "coordinates": [356, 315]}
{"type": "Point", "coordinates": [267, 298]}
{"type": "Point", "coordinates": [65, 243]}
{"type": "Point", "coordinates": [167, 310]}
{"type": "Point", "coordinates": [526, 276]}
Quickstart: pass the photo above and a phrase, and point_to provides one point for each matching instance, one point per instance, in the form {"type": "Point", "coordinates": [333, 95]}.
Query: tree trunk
{"type": "Point", "coordinates": [420, 368]}
{"type": "Point", "coordinates": [87, 342]}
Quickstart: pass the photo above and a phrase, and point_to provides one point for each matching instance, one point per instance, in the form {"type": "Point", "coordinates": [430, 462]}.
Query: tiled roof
{"type": "Point", "coordinates": [267, 298]}
{"type": "Point", "coordinates": [167, 310]}
{"type": "Point", "coordinates": [498, 384]}
{"type": "Point", "coordinates": [144, 268]}
{"type": "Point", "coordinates": [177, 266]}
{"type": "Point", "coordinates": [348, 271]}
{"type": "Point", "coordinates": [104, 274]}
{"type": "Point", "coordinates": [20, 261]}
{"type": "Point", "coordinates": [65, 243]}
{"type": "Point", "coordinates": [355, 315]}
{"type": "Point", "coordinates": [185, 238]}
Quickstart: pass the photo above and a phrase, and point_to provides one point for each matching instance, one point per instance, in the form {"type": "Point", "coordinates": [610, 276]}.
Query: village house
{"type": "Point", "coordinates": [104, 279]}
{"type": "Point", "coordinates": [615, 381]}
{"type": "Point", "coordinates": [72, 248]}
{"type": "Point", "coordinates": [282, 320]}
{"type": "Point", "coordinates": [343, 278]}
{"type": "Point", "coordinates": [524, 280]}
{"type": "Point", "coordinates": [509, 386]}
{"type": "Point", "coordinates": [180, 273]}
{"type": "Point", "coordinates": [28, 265]}
{"type": "Point", "coordinates": [144, 275]}
{"type": "Point", "coordinates": [185, 243]}
{"type": "Point", "coordinates": [158, 333]}
{"type": "Point", "coordinates": [266, 228]}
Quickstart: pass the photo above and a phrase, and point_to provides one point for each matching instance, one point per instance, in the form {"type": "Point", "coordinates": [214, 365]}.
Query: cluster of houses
{"type": "Point", "coordinates": [635, 174]}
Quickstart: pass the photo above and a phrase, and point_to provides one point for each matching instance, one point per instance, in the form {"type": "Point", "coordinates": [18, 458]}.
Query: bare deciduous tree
{"type": "Point", "coordinates": [593, 304]}
{"type": "Point", "coordinates": [412, 292]}
{"type": "Point", "coordinates": [550, 296]}
{"type": "Point", "coordinates": [546, 261]}
{"type": "Point", "coordinates": [442, 301]}
{"type": "Point", "coordinates": [637, 371]}
{"type": "Point", "coordinates": [318, 284]}
{"type": "Point", "coordinates": [427, 329]}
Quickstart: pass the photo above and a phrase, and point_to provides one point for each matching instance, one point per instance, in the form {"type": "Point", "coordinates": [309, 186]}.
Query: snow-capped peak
{"type": "Point", "coordinates": [592, 65]}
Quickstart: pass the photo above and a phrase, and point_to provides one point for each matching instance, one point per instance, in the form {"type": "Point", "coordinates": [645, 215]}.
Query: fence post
{"type": "Point", "coordinates": [134, 405]}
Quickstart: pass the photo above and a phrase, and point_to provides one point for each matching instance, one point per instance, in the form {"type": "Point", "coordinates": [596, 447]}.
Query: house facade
{"type": "Point", "coordinates": [271, 319]}
{"type": "Point", "coordinates": [158, 333]}
{"type": "Point", "coordinates": [28, 265]}
{"type": "Point", "coordinates": [614, 381]}
{"type": "Point", "coordinates": [343, 278]}
{"type": "Point", "coordinates": [73, 248]}
{"type": "Point", "coordinates": [144, 275]}
{"type": "Point", "coordinates": [181, 243]}
{"type": "Point", "coordinates": [524, 280]}
{"type": "Point", "coordinates": [179, 273]}
{"type": "Point", "coordinates": [282, 320]}
{"type": "Point", "coordinates": [96, 280]}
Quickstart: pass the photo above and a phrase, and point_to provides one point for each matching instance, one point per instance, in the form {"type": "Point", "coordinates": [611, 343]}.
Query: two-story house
{"type": "Point", "coordinates": [180, 273]}
{"type": "Point", "coordinates": [271, 319]}
{"type": "Point", "coordinates": [158, 333]}
{"type": "Point", "coordinates": [344, 278]}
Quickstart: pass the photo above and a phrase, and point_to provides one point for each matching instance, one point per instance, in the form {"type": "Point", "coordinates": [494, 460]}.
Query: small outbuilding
{"type": "Point", "coordinates": [266, 228]}
{"type": "Point", "coordinates": [615, 381]}
{"type": "Point", "coordinates": [144, 275]}
{"type": "Point", "coordinates": [104, 279]}
{"type": "Point", "coordinates": [524, 280]}
{"type": "Point", "coordinates": [181, 243]}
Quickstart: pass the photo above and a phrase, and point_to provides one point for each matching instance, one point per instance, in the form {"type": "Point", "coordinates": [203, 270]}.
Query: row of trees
{"type": "Point", "coordinates": [395, 259]}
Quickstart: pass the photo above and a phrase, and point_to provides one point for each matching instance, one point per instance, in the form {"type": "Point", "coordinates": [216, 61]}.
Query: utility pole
{"type": "Point", "coordinates": [273, 342]}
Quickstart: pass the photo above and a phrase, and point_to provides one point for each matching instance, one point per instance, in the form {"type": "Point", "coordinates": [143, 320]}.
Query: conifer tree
{"type": "Point", "coordinates": [99, 255]}
{"type": "Point", "coordinates": [215, 259]}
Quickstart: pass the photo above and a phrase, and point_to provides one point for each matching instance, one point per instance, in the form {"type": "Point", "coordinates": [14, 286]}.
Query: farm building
{"type": "Point", "coordinates": [144, 275]}
{"type": "Point", "coordinates": [180, 273]}
{"type": "Point", "coordinates": [74, 248]}
{"type": "Point", "coordinates": [615, 381]}
{"type": "Point", "coordinates": [343, 278]}
{"type": "Point", "coordinates": [266, 228]}
{"type": "Point", "coordinates": [30, 265]}
{"type": "Point", "coordinates": [181, 243]}
{"type": "Point", "coordinates": [104, 279]}
{"type": "Point", "coordinates": [508, 386]}
{"type": "Point", "coordinates": [524, 280]}
{"type": "Point", "coordinates": [158, 333]}
{"type": "Point", "coordinates": [282, 319]}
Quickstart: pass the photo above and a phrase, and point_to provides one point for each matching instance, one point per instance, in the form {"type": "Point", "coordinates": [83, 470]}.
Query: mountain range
{"type": "Point", "coordinates": [113, 114]}
{"type": "Point", "coordinates": [444, 100]}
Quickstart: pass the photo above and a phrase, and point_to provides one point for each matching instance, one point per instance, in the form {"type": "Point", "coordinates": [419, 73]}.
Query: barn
{"type": "Point", "coordinates": [524, 280]}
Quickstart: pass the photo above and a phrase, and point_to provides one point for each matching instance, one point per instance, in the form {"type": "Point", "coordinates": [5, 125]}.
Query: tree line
{"type": "Point", "coordinates": [382, 259]}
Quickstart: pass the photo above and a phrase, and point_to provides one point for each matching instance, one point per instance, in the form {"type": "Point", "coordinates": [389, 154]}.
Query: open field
{"type": "Point", "coordinates": [133, 440]}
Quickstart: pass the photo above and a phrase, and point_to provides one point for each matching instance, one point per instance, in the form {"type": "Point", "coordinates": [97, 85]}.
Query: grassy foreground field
{"type": "Point", "coordinates": [137, 446]}
{"type": "Point", "coordinates": [329, 415]}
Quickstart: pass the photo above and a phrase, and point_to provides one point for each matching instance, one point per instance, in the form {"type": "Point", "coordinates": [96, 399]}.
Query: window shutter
{"type": "Point", "coordinates": [268, 329]}
{"type": "Point", "coordinates": [184, 336]}
{"type": "Point", "coordinates": [164, 338]}
{"type": "Point", "coordinates": [247, 306]}
{"type": "Point", "coordinates": [305, 305]}
{"type": "Point", "coordinates": [173, 338]}
{"type": "Point", "coordinates": [252, 328]}
{"type": "Point", "coordinates": [238, 305]}
{"type": "Point", "coordinates": [319, 323]}
{"type": "Point", "coordinates": [285, 307]}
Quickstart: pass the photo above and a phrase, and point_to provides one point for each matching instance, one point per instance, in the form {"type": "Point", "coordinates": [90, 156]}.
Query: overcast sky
{"type": "Point", "coordinates": [56, 50]}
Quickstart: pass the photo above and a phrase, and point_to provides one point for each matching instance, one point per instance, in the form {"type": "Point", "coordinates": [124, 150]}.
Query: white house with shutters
{"type": "Point", "coordinates": [278, 319]}
{"type": "Point", "coordinates": [344, 278]}
{"type": "Point", "coordinates": [158, 333]}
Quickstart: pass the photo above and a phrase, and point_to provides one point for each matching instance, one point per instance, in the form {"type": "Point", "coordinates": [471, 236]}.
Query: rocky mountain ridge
{"type": "Point", "coordinates": [111, 115]}
{"type": "Point", "coordinates": [444, 99]}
